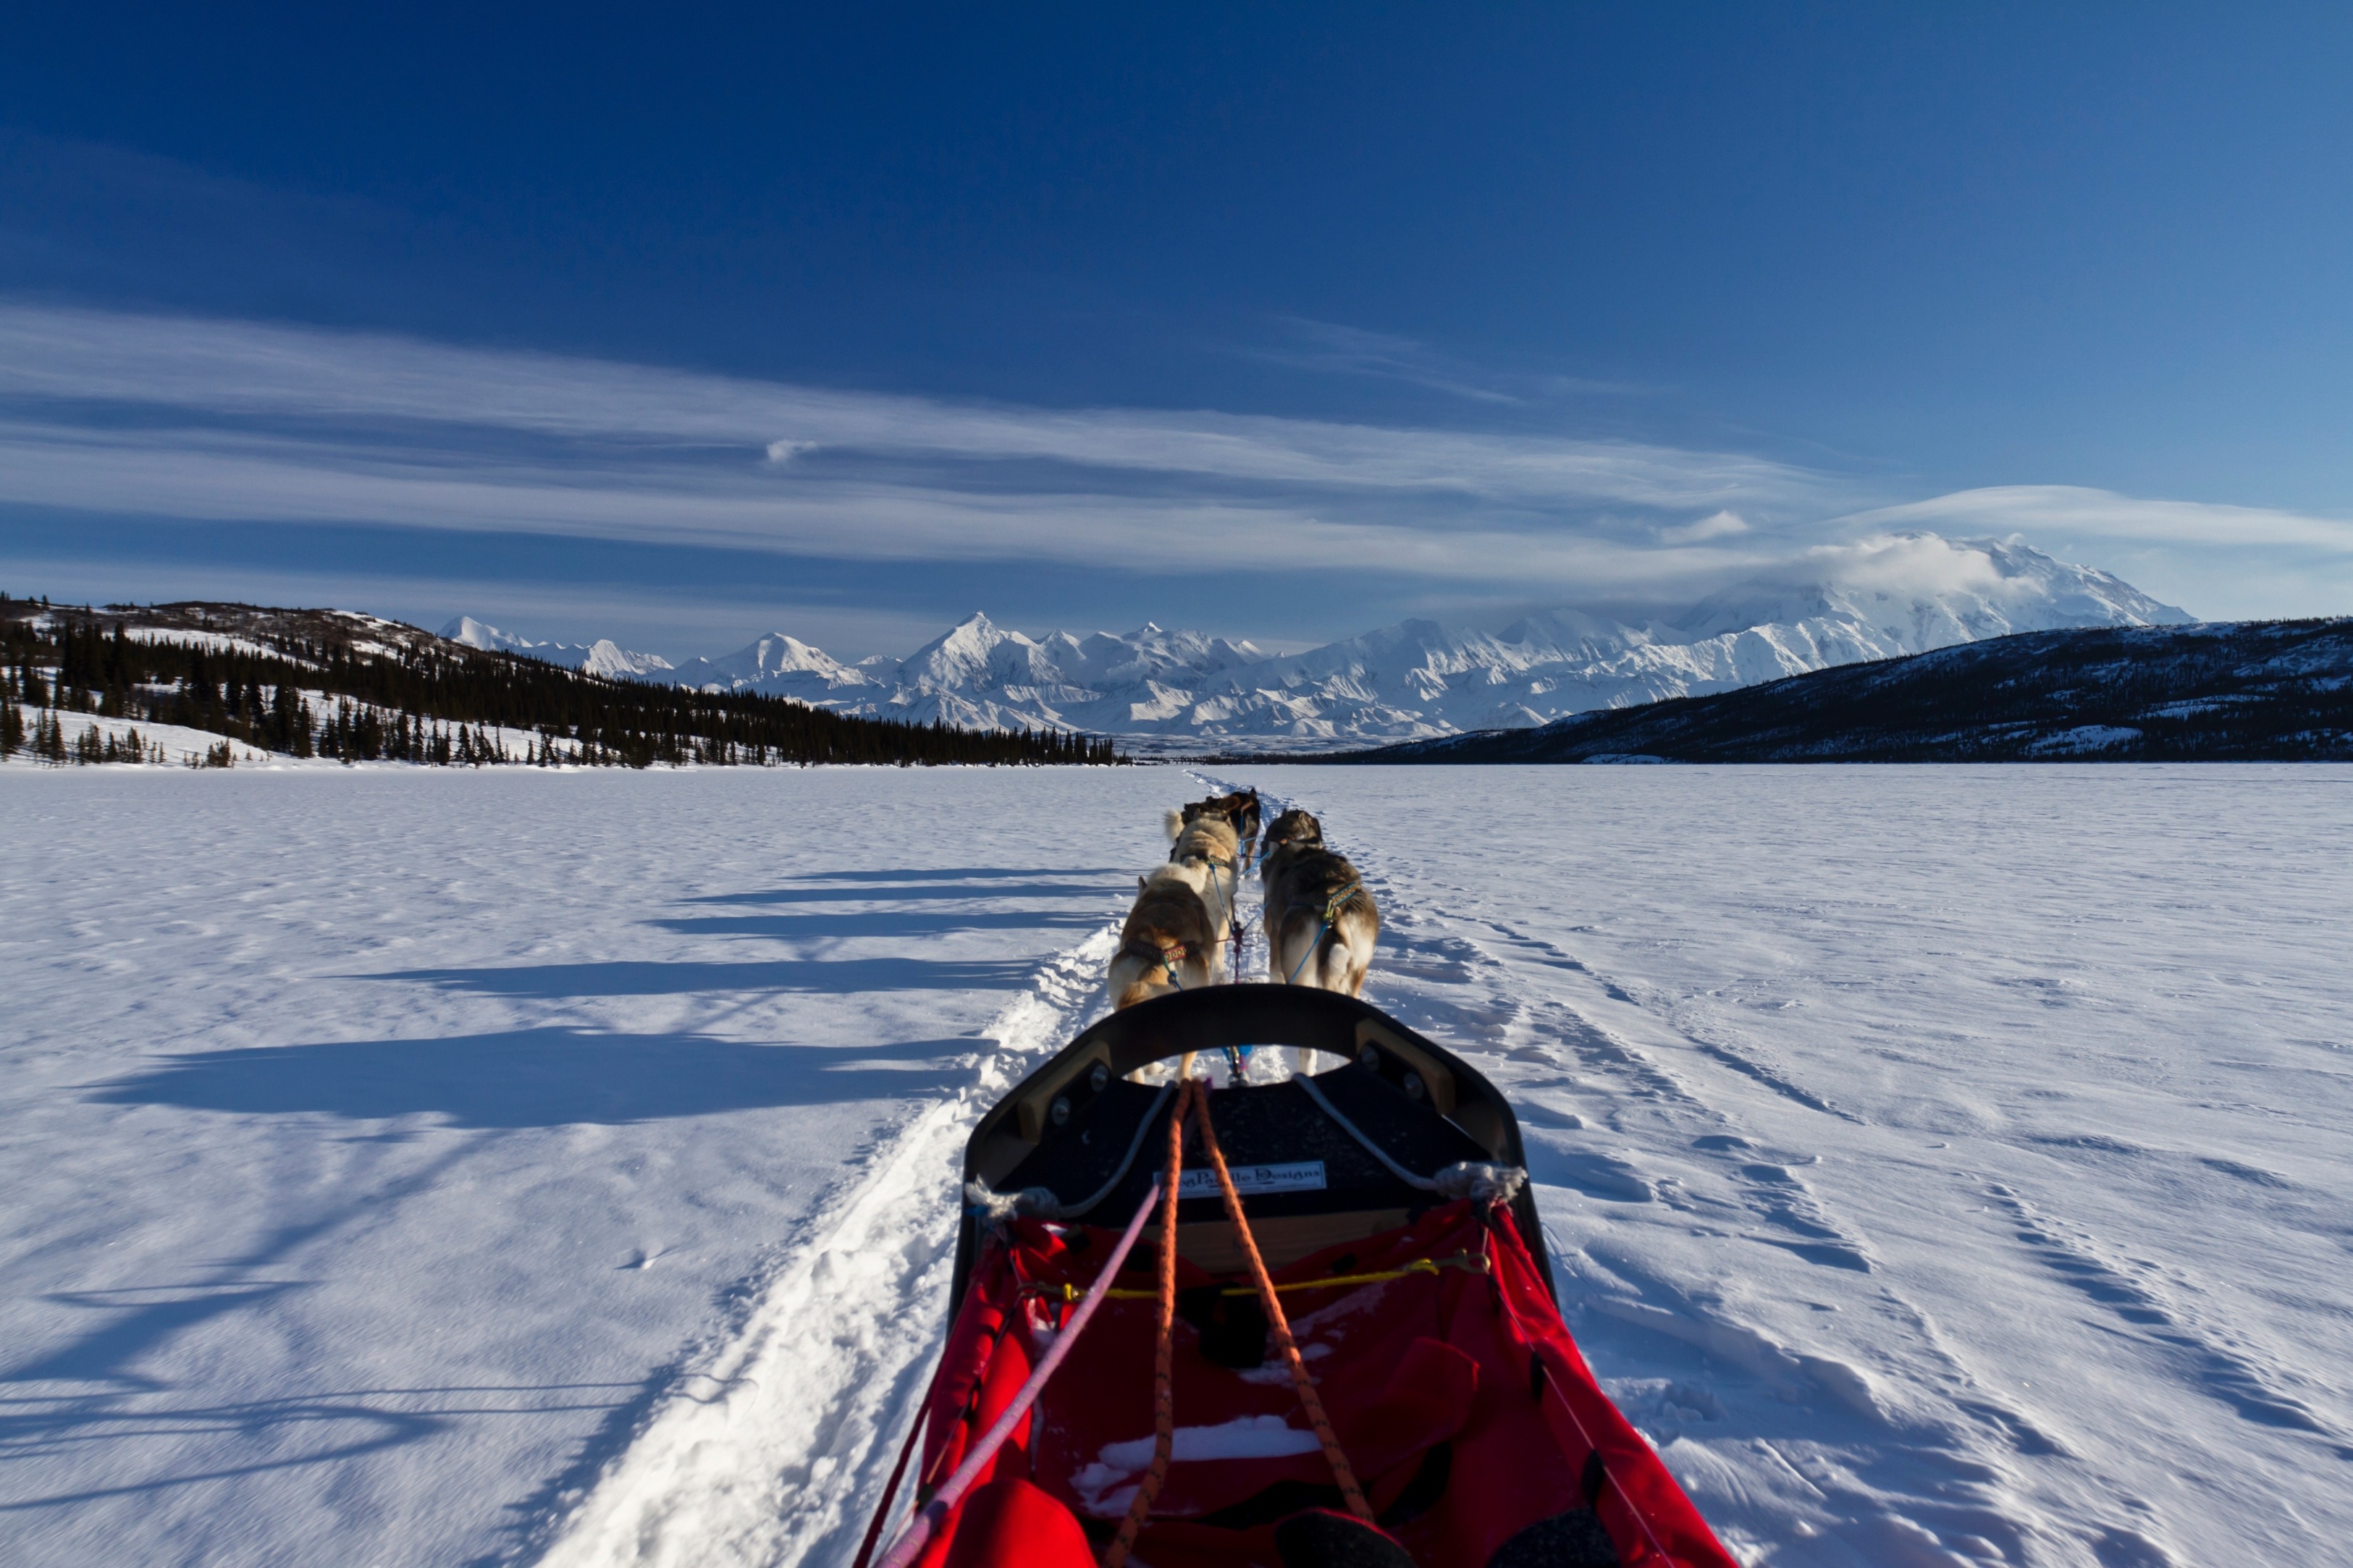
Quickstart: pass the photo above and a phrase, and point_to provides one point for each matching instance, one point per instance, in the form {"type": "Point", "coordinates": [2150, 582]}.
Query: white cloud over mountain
{"type": "Point", "coordinates": [2048, 509]}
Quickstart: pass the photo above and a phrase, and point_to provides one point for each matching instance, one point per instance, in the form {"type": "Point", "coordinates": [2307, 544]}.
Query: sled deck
{"type": "Point", "coordinates": [1457, 1425]}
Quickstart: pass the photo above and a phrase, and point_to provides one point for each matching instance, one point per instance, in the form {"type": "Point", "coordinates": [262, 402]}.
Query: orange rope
{"type": "Point", "coordinates": [1272, 1303]}
{"type": "Point", "coordinates": [1164, 1386]}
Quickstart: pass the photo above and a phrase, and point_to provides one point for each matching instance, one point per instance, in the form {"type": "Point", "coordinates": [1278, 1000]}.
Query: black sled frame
{"type": "Point", "coordinates": [1400, 1109]}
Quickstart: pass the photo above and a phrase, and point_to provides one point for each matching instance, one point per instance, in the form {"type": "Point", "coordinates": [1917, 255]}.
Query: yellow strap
{"type": "Point", "coordinates": [1472, 1262]}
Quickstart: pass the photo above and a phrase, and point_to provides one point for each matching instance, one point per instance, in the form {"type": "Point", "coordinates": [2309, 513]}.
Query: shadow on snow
{"type": "Point", "coordinates": [879, 922]}
{"type": "Point", "coordinates": [534, 1078]}
{"type": "Point", "coordinates": [111, 1402]}
{"type": "Point", "coordinates": [863, 894]}
{"type": "Point", "coordinates": [634, 977]}
{"type": "Point", "coordinates": [946, 873]}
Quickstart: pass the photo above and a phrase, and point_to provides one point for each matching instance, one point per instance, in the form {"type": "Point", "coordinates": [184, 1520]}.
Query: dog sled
{"type": "Point", "coordinates": [1350, 1356]}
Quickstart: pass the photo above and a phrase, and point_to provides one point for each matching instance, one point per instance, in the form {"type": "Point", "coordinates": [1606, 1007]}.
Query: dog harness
{"type": "Point", "coordinates": [1330, 914]}
{"type": "Point", "coordinates": [1167, 957]}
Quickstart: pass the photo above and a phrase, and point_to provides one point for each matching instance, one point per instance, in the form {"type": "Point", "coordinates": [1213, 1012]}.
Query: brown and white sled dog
{"type": "Point", "coordinates": [1170, 942]}
{"type": "Point", "coordinates": [1207, 845]}
{"type": "Point", "coordinates": [1320, 921]}
{"type": "Point", "coordinates": [1209, 840]}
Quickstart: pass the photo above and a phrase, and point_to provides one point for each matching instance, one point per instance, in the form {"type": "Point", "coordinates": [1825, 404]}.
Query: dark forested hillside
{"type": "Point", "coordinates": [328, 682]}
{"type": "Point", "coordinates": [2246, 691]}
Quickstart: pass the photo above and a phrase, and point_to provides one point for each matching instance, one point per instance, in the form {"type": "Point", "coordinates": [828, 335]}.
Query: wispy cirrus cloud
{"type": "Point", "coordinates": [1333, 349]}
{"type": "Point", "coordinates": [178, 417]}
{"type": "Point", "coordinates": [175, 417]}
{"type": "Point", "coordinates": [1328, 348]}
{"type": "Point", "coordinates": [234, 476]}
{"type": "Point", "coordinates": [253, 370]}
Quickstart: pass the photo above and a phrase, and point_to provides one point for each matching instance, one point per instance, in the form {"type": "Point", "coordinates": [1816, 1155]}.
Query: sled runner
{"type": "Point", "coordinates": [1351, 1356]}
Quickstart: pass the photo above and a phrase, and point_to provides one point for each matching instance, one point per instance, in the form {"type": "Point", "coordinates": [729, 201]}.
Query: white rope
{"type": "Point", "coordinates": [1041, 1203]}
{"type": "Point", "coordinates": [1465, 1179]}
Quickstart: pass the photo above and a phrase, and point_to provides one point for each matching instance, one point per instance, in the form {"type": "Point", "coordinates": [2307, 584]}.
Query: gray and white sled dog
{"type": "Point", "coordinates": [1320, 921]}
{"type": "Point", "coordinates": [1294, 827]}
{"type": "Point", "coordinates": [1171, 940]}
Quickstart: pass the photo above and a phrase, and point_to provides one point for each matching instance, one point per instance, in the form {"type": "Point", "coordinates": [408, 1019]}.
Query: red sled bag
{"type": "Point", "coordinates": [1349, 1358]}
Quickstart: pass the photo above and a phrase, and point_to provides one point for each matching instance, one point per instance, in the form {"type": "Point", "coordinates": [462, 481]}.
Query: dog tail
{"type": "Point", "coordinates": [1173, 824]}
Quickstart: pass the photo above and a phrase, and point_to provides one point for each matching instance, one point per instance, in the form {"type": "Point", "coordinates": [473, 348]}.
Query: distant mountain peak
{"type": "Point", "coordinates": [604, 657]}
{"type": "Point", "coordinates": [977, 626]}
{"type": "Point", "coordinates": [1918, 591]}
{"type": "Point", "coordinates": [481, 635]}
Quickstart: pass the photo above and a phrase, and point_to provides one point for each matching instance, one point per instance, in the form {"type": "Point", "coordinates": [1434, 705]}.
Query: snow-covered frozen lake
{"type": "Point", "coordinates": [425, 1167]}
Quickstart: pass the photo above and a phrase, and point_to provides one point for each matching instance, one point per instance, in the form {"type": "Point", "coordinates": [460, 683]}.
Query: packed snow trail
{"type": "Point", "coordinates": [775, 1448]}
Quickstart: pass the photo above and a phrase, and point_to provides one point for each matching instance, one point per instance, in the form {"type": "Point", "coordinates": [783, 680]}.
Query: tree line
{"type": "Point", "coordinates": [425, 700]}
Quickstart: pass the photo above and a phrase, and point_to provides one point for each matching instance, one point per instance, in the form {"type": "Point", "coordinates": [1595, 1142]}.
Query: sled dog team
{"type": "Point", "coordinates": [1320, 920]}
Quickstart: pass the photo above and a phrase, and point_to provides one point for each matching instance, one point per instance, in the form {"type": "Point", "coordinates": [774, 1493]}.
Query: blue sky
{"type": "Point", "coordinates": [1280, 321]}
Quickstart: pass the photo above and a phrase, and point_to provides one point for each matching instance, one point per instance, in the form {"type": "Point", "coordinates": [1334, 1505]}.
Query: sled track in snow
{"type": "Point", "coordinates": [771, 1445]}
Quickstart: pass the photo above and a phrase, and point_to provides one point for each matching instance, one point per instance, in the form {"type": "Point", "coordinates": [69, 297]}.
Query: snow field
{"type": "Point", "coordinates": [1941, 1166]}
{"type": "Point", "coordinates": [389, 1145]}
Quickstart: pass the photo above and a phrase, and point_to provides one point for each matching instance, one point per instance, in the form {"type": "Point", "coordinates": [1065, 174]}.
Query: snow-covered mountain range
{"type": "Point", "coordinates": [604, 657]}
{"type": "Point", "coordinates": [1176, 689]}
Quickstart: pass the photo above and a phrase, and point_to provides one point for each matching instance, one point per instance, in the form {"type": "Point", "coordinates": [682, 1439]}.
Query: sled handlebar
{"type": "Point", "coordinates": [1213, 1018]}
{"type": "Point", "coordinates": [1216, 1017]}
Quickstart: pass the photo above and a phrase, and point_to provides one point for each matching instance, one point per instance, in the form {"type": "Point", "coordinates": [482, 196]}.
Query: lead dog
{"type": "Point", "coordinates": [1295, 829]}
{"type": "Point", "coordinates": [1240, 809]}
{"type": "Point", "coordinates": [1169, 943]}
{"type": "Point", "coordinates": [1320, 921]}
